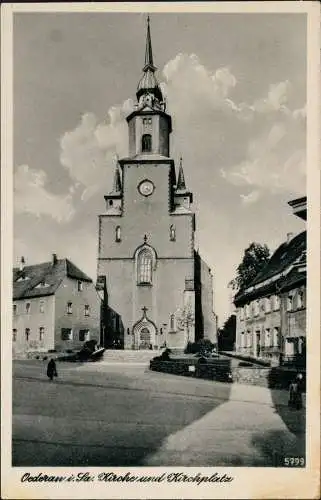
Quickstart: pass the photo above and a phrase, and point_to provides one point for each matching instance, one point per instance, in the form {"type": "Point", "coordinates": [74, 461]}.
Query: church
{"type": "Point", "coordinates": [159, 290]}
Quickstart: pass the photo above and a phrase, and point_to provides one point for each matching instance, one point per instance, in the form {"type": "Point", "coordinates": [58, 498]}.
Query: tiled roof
{"type": "Point", "coordinates": [286, 255]}
{"type": "Point", "coordinates": [51, 275]}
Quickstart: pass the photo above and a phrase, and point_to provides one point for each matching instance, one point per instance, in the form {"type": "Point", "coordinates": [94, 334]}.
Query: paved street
{"type": "Point", "coordinates": [124, 415]}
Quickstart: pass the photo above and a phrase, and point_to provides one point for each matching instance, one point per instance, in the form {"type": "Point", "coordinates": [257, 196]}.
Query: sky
{"type": "Point", "coordinates": [235, 86]}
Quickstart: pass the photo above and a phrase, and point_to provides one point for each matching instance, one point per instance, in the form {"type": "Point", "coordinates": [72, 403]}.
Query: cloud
{"type": "Point", "coordinates": [188, 83]}
{"type": "Point", "coordinates": [276, 99]}
{"type": "Point", "coordinates": [31, 196]}
{"type": "Point", "coordinates": [260, 144]}
{"type": "Point", "coordinates": [88, 151]}
{"type": "Point", "coordinates": [252, 197]}
{"type": "Point", "coordinates": [275, 162]}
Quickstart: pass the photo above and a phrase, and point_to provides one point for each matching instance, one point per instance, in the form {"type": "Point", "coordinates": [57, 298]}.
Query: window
{"type": "Point", "coordinates": [28, 308]}
{"type": "Point", "coordinates": [242, 340]}
{"type": "Point", "coordinates": [84, 335]}
{"type": "Point", "coordinates": [86, 310]}
{"type": "Point", "coordinates": [172, 322]}
{"type": "Point", "coordinates": [27, 333]}
{"type": "Point", "coordinates": [300, 298]}
{"type": "Point", "coordinates": [42, 306]}
{"type": "Point", "coordinates": [14, 309]}
{"type": "Point", "coordinates": [275, 337]}
{"type": "Point", "coordinates": [267, 305]}
{"type": "Point", "coordinates": [146, 143]}
{"type": "Point", "coordinates": [14, 335]}
{"type": "Point", "coordinates": [248, 311]}
{"type": "Point", "coordinates": [256, 307]}
{"type": "Point", "coordinates": [117, 234]}
{"type": "Point", "coordinates": [289, 303]}
{"type": "Point", "coordinates": [172, 233]}
{"type": "Point", "coordinates": [69, 307]}
{"type": "Point", "coordinates": [241, 313]}
{"type": "Point", "coordinates": [267, 337]}
{"type": "Point", "coordinates": [80, 286]}
{"type": "Point", "coordinates": [41, 333]}
{"type": "Point", "coordinates": [276, 303]}
{"type": "Point", "coordinates": [147, 121]}
{"type": "Point", "coordinates": [66, 334]}
{"type": "Point", "coordinates": [145, 261]}
{"type": "Point", "coordinates": [110, 203]}
{"type": "Point", "coordinates": [249, 338]}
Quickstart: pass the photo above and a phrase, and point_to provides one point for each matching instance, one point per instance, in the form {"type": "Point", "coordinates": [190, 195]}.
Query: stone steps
{"type": "Point", "coordinates": [124, 356]}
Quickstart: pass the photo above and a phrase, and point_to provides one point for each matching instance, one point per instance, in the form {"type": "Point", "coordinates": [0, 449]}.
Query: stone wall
{"type": "Point", "coordinates": [277, 378]}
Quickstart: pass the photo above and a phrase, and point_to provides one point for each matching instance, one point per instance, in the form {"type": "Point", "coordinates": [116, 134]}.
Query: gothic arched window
{"type": "Point", "coordinates": [172, 233]}
{"type": "Point", "coordinates": [145, 265]}
{"type": "Point", "coordinates": [146, 143]}
{"type": "Point", "coordinates": [118, 234]}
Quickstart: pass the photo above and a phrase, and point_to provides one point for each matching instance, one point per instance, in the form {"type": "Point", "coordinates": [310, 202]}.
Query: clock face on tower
{"type": "Point", "coordinates": [146, 187]}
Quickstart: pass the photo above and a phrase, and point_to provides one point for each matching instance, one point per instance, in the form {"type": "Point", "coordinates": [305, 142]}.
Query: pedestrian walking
{"type": "Point", "coordinates": [295, 392]}
{"type": "Point", "coordinates": [52, 369]}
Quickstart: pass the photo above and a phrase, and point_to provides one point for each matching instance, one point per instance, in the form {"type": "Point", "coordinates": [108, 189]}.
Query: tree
{"type": "Point", "coordinates": [254, 259]}
{"type": "Point", "coordinates": [226, 334]}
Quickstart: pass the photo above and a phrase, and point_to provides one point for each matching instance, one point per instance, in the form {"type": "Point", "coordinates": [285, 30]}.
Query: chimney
{"type": "Point", "coordinates": [22, 263]}
{"type": "Point", "coordinates": [289, 237]}
{"type": "Point", "coordinates": [54, 259]}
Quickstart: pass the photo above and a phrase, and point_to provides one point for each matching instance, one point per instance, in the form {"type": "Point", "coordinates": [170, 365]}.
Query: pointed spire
{"type": "Point", "coordinates": [181, 179]}
{"type": "Point", "coordinates": [117, 181]}
{"type": "Point", "coordinates": [149, 52]}
{"type": "Point", "coordinates": [148, 83]}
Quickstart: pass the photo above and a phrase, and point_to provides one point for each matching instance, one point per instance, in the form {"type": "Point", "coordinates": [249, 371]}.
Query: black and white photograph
{"type": "Point", "coordinates": [161, 320]}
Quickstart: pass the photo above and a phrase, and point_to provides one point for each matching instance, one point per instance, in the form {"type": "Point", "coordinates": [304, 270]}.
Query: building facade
{"type": "Point", "coordinates": [146, 235]}
{"type": "Point", "coordinates": [271, 312]}
{"type": "Point", "coordinates": [55, 307]}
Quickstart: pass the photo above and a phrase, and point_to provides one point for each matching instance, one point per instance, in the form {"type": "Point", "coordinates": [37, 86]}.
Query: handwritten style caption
{"type": "Point", "coordinates": [128, 477]}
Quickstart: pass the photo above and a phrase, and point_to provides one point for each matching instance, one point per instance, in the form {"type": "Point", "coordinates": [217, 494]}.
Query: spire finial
{"type": "Point", "coordinates": [149, 52]}
{"type": "Point", "coordinates": [181, 179]}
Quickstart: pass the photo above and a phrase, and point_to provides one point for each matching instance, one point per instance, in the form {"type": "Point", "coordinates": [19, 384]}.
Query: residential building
{"type": "Point", "coordinates": [271, 311]}
{"type": "Point", "coordinates": [55, 307]}
{"type": "Point", "coordinates": [157, 283]}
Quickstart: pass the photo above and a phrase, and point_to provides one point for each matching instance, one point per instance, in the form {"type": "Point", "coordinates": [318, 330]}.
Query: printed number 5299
{"type": "Point", "coordinates": [294, 461]}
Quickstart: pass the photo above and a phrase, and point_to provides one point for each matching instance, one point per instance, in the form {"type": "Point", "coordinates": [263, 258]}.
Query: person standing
{"type": "Point", "coordinates": [52, 369]}
{"type": "Point", "coordinates": [296, 389]}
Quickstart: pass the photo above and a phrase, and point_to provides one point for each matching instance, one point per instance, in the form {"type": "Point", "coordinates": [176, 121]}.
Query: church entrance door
{"type": "Point", "coordinates": [144, 332]}
{"type": "Point", "coordinates": [145, 338]}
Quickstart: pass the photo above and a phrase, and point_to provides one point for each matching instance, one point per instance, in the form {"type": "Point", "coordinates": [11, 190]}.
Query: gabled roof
{"type": "Point", "coordinates": [277, 274]}
{"type": "Point", "coordinates": [48, 273]}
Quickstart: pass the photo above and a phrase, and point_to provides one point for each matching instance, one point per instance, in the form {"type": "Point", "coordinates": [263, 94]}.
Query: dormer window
{"type": "Point", "coordinates": [146, 143]}
{"type": "Point", "coordinates": [42, 284]}
{"type": "Point", "coordinates": [23, 277]}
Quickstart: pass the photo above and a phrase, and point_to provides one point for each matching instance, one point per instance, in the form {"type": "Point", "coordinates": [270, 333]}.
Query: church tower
{"type": "Point", "coordinates": [146, 233]}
